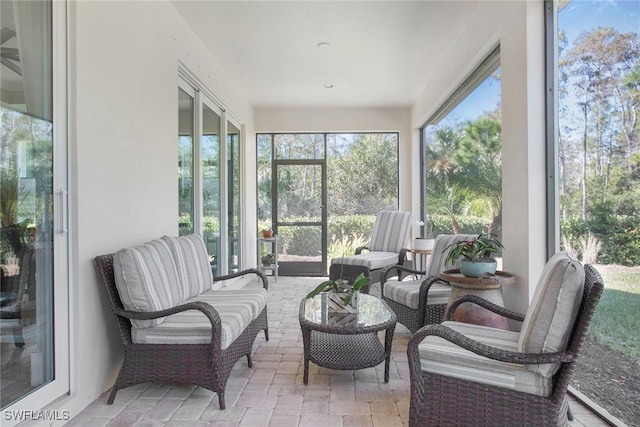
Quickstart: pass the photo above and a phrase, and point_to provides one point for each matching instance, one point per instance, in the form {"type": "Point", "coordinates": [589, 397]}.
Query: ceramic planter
{"type": "Point", "coordinates": [477, 268]}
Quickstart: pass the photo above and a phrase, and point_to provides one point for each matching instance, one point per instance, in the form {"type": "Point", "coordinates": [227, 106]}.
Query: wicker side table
{"type": "Point", "coordinates": [339, 339]}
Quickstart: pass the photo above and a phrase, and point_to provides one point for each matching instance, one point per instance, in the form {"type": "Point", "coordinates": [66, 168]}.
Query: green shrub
{"type": "Point", "coordinates": [620, 236]}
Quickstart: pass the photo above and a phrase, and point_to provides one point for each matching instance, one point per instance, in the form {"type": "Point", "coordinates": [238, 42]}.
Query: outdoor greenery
{"type": "Point", "coordinates": [26, 180]}
{"type": "Point", "coordinates": [599, 142]}
{"type": "Point", "coordinates": [463, 169]}
{"type": "Point", "coordinates": [617, 318]}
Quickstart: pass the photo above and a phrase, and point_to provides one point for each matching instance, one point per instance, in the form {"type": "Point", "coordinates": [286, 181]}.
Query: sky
{"type": "Point", "coordinates": [575, 18]}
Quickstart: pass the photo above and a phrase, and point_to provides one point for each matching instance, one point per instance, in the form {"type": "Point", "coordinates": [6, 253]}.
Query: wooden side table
{"type": "Point", "coordinates": [488, 287]}
{"type": "Point", "coordinates": [420, 257]}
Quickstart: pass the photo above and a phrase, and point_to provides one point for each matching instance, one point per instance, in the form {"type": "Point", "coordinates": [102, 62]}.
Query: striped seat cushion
{"type": "Point", "coordinates": [192, 263]}
{"type": "Point", "coordinates": [407, 293]}
{"type": "Point", "coordinates": [237, 309]}
{"type": "Point", "coordinates": [440, 356]}
{"type": "Point", "coordinates": [371, 260]}
{"type": "Point", "coordinates": [147, 279]}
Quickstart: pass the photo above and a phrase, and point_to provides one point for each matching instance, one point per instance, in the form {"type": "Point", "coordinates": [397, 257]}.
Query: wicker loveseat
{"type": "Point", "coordinates": [462, 373]}
{"type": "Point", "coordinates": [176, 321]}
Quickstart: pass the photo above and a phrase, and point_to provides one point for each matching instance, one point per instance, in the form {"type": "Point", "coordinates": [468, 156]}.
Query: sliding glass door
{"type": "Point", "coordinates": [209, 174]}
{"type": "Point", "coordinates": [33, 234]}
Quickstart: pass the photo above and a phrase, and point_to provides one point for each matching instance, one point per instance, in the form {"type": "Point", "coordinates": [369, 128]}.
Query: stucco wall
{"type": "Point", "coordinates": [519, 28]}
{"type": "Point", "coordinates": [123, 125]}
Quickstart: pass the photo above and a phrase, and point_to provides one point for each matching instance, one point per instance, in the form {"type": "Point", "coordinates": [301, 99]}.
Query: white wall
{"type": "Point", "coordinates": [123, 126]}
{"type": "Point", "coordinates": [347, 120]}
{"type": "Point", "coordinates": [519, 28]}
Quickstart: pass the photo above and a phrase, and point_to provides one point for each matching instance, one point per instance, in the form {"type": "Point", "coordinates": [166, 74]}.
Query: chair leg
{"type": "Point", "coordinates": [112, 395]}
{"type": "Point", "coordinates": [569, 414]}
{"type": "Point", "coordinates": [221, 400]}
{"type": "Point", "coordinates": [266, 335]}
{"type": "Point", "coordinates": [249, 362]}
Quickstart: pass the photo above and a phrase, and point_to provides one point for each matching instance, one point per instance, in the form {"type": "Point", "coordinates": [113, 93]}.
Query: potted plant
{"type": "Point", "coordinates": [268, 259]}
{"type": "Point", "coordinates": [426, 241]}
{"type": "Point", "coordinates": [341, 288]}
{"type": "Point", "coordinates": [475, 257]}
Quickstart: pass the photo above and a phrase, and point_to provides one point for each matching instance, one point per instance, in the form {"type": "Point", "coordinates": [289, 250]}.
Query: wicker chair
{"type": "Point", "coordinates": [453, 394]}
{"type": "Point", "coordinates": [420, 302]}
{"type": "Point", "coordinates": [205, 365]}
{"type": "Point", "coordinates": [387, 246]}
{"type": "Point", "coordinates": [14, 306]}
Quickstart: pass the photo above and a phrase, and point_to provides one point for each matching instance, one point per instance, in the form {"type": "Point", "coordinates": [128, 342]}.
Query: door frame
{"type": "Point", "coordinates": [301, 268]}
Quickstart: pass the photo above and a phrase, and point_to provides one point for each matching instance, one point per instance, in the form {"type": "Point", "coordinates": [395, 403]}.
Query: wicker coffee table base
{"type": "Point", "coordinates": [346, 348]}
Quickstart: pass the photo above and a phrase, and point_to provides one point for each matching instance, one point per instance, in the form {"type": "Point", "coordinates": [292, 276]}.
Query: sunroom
{"type": "Point", "coordinates": [114, 93]}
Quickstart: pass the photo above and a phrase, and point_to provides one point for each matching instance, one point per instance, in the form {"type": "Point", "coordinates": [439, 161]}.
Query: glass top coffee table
{"type": "Point", "coordinates": [335, 338]}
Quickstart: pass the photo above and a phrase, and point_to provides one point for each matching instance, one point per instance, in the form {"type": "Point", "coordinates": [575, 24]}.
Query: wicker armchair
{"type": "Point", "coordinates": [387, 246]}
{"type": "Point", "coordinates": [14, 307]}
{"type": "Point", "coordinates": [205, 365]}
{"type": "Point", "coordinates": [457, 392]}
{"type": "Point", "coordinates": [420, 302]}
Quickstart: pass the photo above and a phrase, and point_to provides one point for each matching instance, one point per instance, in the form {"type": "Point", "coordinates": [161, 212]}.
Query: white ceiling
{"type": "Point", "coordinates": [381, 53]}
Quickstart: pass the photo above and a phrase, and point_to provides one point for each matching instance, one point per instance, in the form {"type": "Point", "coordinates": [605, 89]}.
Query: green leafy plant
{"type": "Point", "coordinates": [481, 248]}
{"type": "Point", "coordinates": [268, 259]}
{"type": "Point", "coordinates": [341, 286]}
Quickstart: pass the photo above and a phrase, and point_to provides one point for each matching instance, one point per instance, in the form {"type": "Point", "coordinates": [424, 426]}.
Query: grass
{"type": "Point", "coordinates": [616, 322]}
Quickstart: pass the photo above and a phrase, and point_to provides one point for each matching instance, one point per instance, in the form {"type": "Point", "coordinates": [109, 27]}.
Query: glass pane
{"type": "Point", "coordinates": [211, 185]}
{"type": "Point", "coordinates": [299, 193]}
{"type": "Point", "coordinates": [186, 116]}
{"type": "Point", "coordinates": [26, 200]}
{"type": "Point", "coordinates": [462, 167]}
{"type": "Point", "coordinates": [233, 170]}
{"type": "Point", "coordinates": [599, 187]}
{"type": "Point", "coordinates": [300, 243]}
{"type": "Point", "coordinates": [264, 181]}
{"type": "Point", "coordinates": [299, 146]}
{"type": "Point", "coordinates": [362, 179]}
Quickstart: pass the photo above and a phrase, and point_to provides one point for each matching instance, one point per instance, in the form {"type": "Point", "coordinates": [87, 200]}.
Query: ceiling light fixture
{"type": "Point", "coordinates": [323, 45]}
{"type": "Point", "coordinates": [328, 85]}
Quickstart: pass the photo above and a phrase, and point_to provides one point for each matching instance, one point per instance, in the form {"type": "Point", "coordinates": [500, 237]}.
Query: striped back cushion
{"type": "Point", "coordinates": [147, 279]}
{"type": "Point", "coordinates": [440, 251]}
{"type": "Point", "coordinates": [553, 310]}
{"type": "Point", "coordinates": [192, 261]}
{"type": "Point", "coordinates": [390, 231]}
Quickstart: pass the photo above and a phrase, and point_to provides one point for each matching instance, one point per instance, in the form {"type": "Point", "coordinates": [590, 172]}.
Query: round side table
{"type": "Point", "coordinates": [487, 287]}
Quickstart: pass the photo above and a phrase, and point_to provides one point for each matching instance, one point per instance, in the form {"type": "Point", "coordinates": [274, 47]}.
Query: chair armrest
{"type": "Point", "coordinates": [424, 290]}
{"type": "Point", "coordinates": [402, 256]}
{"type": "Point", "coordinates": [359, 249]}
{"type": "Point", "coordinates": [481, 349]}
{"type": "Point", "coordinates": [206, 308]}
{"type": "Point", "coordinates": [384, 273]}
{"type": "Point", "coordinates": [260, 274]}
{"type": "Point", "coordinates": [475, 299]}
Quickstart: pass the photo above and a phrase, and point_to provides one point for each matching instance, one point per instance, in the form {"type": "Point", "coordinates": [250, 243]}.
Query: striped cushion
{"type": "Point", "coordinates": [440, 356]}
{"type": "Point", "coordinates": [192, 262]}
{"type": "Point", "coordinates": [390, 231]}
{"type": "Point", "coordinates": [237, 309]}
{"type": "Point", "coordinates": [407, 293]}
{"type": "Point", "coordinates": [553, 310]}
{"type": "Point", "coordinates": [147, 279]}
{"type": "Point", "coordinates": [371, 260]}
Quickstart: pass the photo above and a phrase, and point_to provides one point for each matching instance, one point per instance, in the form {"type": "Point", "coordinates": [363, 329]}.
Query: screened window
{"type": "Point", "coordinates": [462, 157]}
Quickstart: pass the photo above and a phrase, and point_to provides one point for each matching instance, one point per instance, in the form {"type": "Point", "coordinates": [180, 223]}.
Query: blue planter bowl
{"type": "Point", "coordinates": [477, 269]}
